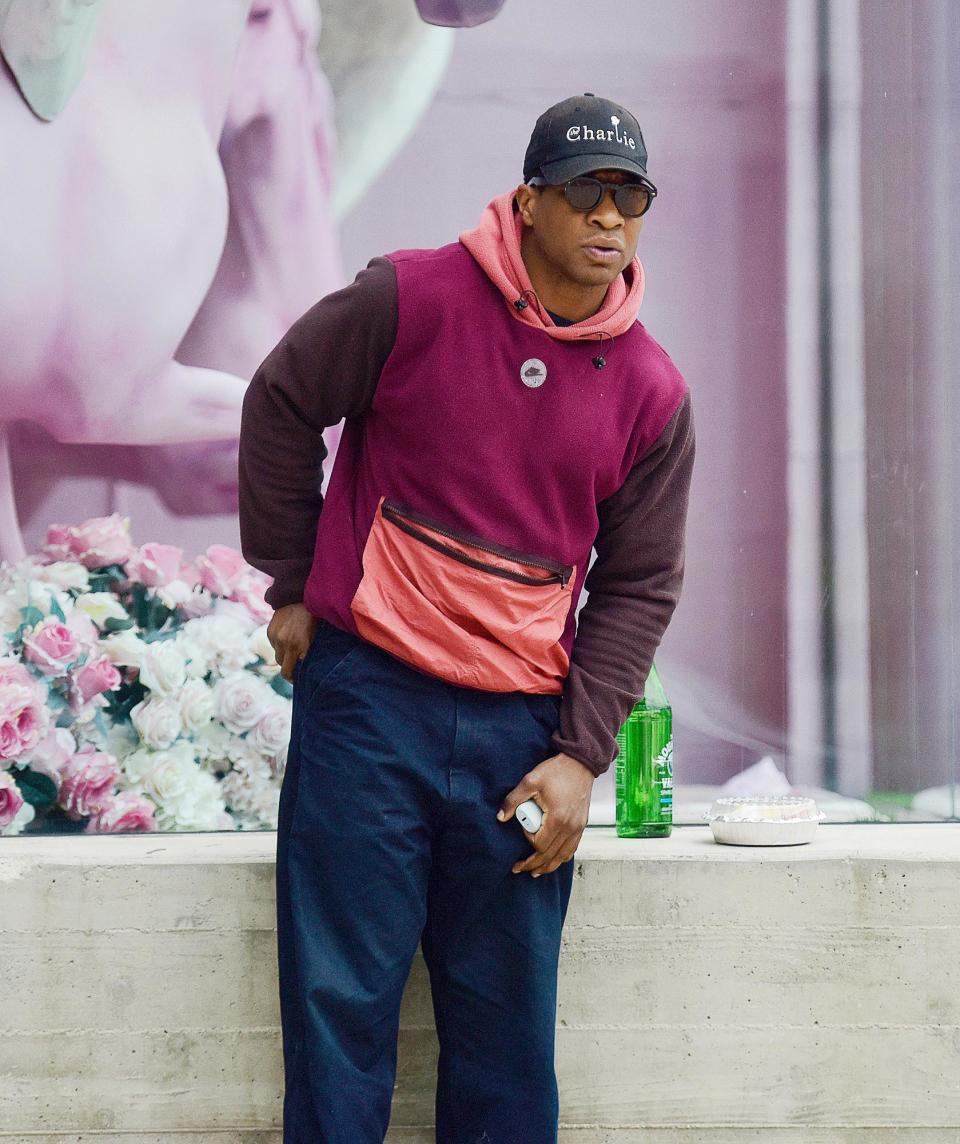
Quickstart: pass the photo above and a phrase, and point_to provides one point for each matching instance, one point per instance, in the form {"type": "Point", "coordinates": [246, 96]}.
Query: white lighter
{"type": "Point", "coordinates": [530, 816]}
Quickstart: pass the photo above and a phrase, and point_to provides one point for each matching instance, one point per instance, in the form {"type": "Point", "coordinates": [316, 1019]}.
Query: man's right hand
{"type": "Point", "coordinates": [290, 633]}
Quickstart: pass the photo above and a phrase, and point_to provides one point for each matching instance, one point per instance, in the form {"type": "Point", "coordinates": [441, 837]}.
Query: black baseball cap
{"type": "Point", "coordinates": [585, 133]}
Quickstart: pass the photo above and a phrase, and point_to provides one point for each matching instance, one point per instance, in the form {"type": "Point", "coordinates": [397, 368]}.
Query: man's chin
{"type": "Point", "coordinates": [593, 275]}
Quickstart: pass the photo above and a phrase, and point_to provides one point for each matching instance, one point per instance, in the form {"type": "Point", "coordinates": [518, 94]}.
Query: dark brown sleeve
{"type": "Point", "coordinates": [633, 587]}
{"type": "Point", "coordinates": [325, 367]}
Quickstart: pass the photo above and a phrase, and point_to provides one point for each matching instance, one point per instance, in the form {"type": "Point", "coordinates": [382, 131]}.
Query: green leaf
{"type": "Point", "coordinates": [114, 625]}
{"type": "Point", "coordinates": [122, 701]}
{"type": "Point", "coordinates": [281, 686]}
{"type": "Point", "coordinates": [57, 610]}
{"type": "Point", "coordinates": [163, 634]}
{"type": "Point", "coordinates": [37, 789]}
{"type": "Point", "coordinates": [139, 604]}
{"type": "Point", "coordinates": [157, 614]}
{"type": "Point", "coordinates": [31, 615]}
{"type": "Point", "coordinates": [104, 579]}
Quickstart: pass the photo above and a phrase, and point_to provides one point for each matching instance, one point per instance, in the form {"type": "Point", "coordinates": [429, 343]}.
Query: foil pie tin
{"type": "Point", "coordinates": [764, 820]}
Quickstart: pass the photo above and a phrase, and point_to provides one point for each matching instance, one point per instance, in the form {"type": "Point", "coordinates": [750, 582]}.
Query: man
{"type": "Point", "coordinates": [505, 413]}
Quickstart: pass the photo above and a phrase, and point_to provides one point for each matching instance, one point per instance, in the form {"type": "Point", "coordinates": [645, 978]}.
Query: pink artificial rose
{"type": "Point", "coordinates": [250, 594]}
{"type": "Point", "coordinates": [12, 672]}
{"type": "Point", "coordinates": [52, 646]}
{"type": "Point", "coordinates": [57, 546]}
{"type": "Point", "coordinates": [222, 569]}
{"type": "Point", "coordinates": [199, 604]}
{"type": "Point", "coordinates": [92, 678]}
{"type": "Point", "coordinates": [10, 799]}
{"type": "Point", "coordinates": [101, 540]}
{"type": "Point", "coordinates": [95, 543]}
{"type": "Point", "coordinates": [53, 752]}
{"type": "Point", "coordinates": [23, 714]}
{"type": "Point", "coordinates": [155, 564]}
{"type": "Point", "coordinates": [190, 574]}
{"type": "Point", "coordinates": [87, 782]}
{"type": "Point", "coordinates": [83, 628]}
{"type": "Point", "coordinates": [272, 731]}
{"type": "Point", "coordinates": [241, 699]}
{"type": "Point", "coordinates": [125, 813]}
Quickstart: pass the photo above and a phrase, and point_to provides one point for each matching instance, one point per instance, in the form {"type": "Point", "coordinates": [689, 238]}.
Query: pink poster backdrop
{"type": "Point", "coordinates": [709, 82]}
{"type": "Point", "coordinates": [706, 82]}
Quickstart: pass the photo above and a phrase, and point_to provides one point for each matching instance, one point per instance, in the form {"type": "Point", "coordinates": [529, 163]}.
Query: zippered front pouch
{"type": "Point", "coordinates": [461, 607]}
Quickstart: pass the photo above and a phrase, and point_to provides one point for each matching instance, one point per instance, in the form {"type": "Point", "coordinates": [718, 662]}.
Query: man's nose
{"type": "Point", "coordinates": [606, 213]}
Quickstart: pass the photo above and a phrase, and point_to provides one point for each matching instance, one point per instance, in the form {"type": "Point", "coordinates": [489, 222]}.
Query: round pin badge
{"type": "Point", "coordinates": [533, 373]}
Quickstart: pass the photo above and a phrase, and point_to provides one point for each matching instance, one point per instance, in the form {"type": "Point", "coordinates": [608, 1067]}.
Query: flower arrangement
{"type": "Point", "coordinates": [138, 691]}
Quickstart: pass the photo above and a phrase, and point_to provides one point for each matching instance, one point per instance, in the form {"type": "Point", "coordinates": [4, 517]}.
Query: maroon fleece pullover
{"type": "Point", "coordinates": [353, 356]}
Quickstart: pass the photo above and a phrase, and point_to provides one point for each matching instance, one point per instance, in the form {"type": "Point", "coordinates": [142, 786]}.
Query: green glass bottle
{"type": "Point", "coordinates": [644, 765]}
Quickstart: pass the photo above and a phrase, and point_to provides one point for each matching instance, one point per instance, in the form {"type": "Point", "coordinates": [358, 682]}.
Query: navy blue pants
{"type": "Point", "coordinates": [387, 839]}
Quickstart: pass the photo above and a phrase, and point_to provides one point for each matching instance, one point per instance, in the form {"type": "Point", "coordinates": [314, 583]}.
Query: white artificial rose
{"type": "Point", "coordinates": [21, 820]}
{"type": "Point", "coordinates": [252, 797]}
{"type": "Point", "coordinates": [172, 776]}
{"type": "Point", "coordinates": [125, 648]}
{"type": "Point", "coordinates": [212, 745]}
{"type": "Point", "coordinates": [199, 604]}
{"type": "Point", "coordinates": [272, 731]}
{"type": "Point", "coordinates": [163, 668]}
{"type": "Point", "coordinates": [64, 574]}
{"type": "Point", "coordinates": [119, 740]}
{"type": "Point", "coordinates": [10, 617]}
{"type": "Point", "coordinates": [198, 806]}
{"type": "Point", "coordinates": [263, 649]}
{"type": "Point", "coordinates": [175, 594]}
{"type": "Point", "coordinates": [136, 764]}
{"type": "Point", "coordinates": [21, 590]}
{"type": "Point", "coordinates": [196, 704]}
{"type": "Point", "coordinates": [242, 699]}
{"type": "Point", "coordinates": [87, 713]}
{"type": "Point", "coordinates": [278, 764]}
{"type": "Point", "coordinates": [232, 610]}
{"type": "Point", "coordinates": [245, 757]}
{"type": "Point", "coordinates": [195, 655]}
{"type": "Point", "coordinates": [101, 606]}
{"type": "Point", "coordinates": [267, 804]}
{"type": "Point", "coordinates": [260, 643]}
{"type": "Point", "coordinates": [222, 640]}
{"type": "Point", "coordinates": [157, 721]}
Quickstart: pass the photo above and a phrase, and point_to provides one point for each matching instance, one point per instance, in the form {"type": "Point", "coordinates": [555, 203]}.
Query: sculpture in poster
{"type": "Point", "coordinates": [167, 217]}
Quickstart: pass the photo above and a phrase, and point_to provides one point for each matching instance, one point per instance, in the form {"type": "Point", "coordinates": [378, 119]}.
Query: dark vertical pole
{"type": "Point", "coordinates": [825, 320]}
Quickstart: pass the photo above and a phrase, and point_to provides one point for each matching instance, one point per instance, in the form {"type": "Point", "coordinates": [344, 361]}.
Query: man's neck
{"type": "Point", "coordinates": [558, 294]}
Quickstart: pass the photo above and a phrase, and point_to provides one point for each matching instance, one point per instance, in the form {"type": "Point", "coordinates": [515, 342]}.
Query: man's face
{"type": "Point", "coordinates": [589, 248]}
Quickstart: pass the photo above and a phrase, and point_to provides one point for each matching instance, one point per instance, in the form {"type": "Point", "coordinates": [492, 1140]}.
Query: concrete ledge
{"type": "Point", "coordinates": [790, 995]}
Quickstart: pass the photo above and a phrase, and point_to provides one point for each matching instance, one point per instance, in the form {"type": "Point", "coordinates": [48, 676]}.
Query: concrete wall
{"type": "Point", "coordinates": [708, 994]}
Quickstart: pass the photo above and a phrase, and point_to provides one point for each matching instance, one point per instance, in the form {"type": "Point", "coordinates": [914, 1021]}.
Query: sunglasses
{"type": "Point", "coordinates": [583, 194]}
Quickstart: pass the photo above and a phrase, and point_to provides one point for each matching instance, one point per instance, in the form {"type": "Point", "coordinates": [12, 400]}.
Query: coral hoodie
{"type": "Point", "coordinates": [495, 244]}
{"type": "Point", "coordinates": [484, 455]}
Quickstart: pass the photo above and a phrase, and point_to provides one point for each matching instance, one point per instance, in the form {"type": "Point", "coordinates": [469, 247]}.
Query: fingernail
{"type": "Point", "coordinates": [500, 815]}
{"type": "Point", "coordinates": [536, 875]}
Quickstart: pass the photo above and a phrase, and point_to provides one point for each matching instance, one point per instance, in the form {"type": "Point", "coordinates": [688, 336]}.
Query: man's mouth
{"type": "Point", "coordinates": [602, 253]}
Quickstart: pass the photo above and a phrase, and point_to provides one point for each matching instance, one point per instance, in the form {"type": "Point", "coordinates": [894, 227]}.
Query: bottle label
{"type": "Point", "coordinates": [663, 769]}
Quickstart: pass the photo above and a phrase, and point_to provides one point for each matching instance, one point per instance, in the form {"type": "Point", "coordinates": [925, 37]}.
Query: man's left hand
{"type": "Point", "coordinates": [561, 786]}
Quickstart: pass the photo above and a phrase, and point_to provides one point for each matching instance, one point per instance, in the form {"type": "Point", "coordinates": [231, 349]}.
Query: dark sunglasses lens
{"type": "Point", "coordinates": [583, 194]}
{"type": "Point", "coordinates": [632, 199]}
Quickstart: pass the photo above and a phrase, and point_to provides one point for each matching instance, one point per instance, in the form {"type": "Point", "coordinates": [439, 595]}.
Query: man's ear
{"type": "Point", "coordinates": [526, 197]}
